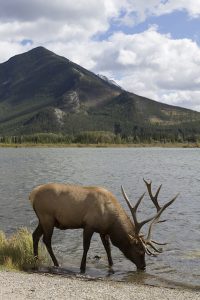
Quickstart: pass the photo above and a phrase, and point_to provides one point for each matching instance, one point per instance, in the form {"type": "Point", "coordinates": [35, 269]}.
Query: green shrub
{"type": "Point", "coordinates": [16, 252]}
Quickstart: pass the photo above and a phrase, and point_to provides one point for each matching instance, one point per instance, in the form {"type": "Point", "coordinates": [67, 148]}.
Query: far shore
{"type": "Point", "coordinates": [141, 145]}
{"type": "Point", "coordinates": [21, 286]}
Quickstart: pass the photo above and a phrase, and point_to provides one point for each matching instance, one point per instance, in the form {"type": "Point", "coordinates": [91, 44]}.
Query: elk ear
{"type": "Point", "coordinates": [132, 239]}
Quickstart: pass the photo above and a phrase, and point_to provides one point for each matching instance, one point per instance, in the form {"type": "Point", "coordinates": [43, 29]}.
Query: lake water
{"type": "Point", "coordinates": [178, 170]}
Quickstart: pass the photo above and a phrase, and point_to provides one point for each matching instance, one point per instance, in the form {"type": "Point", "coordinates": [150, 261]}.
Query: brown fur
{"type": "Point", "coordinates": [94, 209]}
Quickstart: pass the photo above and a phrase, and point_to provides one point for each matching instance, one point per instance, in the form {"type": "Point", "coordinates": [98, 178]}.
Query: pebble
{"type": "Point", "coordinates": [21, 286]}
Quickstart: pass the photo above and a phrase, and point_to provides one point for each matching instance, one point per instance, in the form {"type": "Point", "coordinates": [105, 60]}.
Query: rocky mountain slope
{"type": "Point", "coordinates": [43, 92]}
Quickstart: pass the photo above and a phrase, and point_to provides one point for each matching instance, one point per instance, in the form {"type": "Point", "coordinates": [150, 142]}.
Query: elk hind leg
{"type": "Point", "coordinates": [48, 232]}
{"type": "Point", "coordinates": [36, 237]}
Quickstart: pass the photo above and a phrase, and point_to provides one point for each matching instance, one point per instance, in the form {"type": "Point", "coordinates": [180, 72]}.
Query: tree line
{"type": "Point", "coordinates": [138, 135]}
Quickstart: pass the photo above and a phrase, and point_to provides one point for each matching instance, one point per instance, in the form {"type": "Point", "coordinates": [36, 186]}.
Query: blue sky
{"type": "Point", "coordinates": [178, 23]}
{"type": "Point", "coordinates": [151, 48]}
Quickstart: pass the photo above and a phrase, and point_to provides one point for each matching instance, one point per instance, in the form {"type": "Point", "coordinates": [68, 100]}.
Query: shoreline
{"type": "Point", "coordinates": [103, 145]}
{"type": "Point", "coordinates": [20, 285]}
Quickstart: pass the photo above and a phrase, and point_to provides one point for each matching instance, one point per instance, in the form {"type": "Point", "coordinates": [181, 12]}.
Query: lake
{"type": "Point", "coordinates": [177, 169]}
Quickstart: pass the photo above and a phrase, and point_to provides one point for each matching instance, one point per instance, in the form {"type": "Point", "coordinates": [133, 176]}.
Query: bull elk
{"type": "Point", "coordinates": [94, 209]}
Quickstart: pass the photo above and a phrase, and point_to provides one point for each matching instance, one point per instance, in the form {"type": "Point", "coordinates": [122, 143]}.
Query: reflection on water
{"type": "Point", "coordinates": [176, 169]}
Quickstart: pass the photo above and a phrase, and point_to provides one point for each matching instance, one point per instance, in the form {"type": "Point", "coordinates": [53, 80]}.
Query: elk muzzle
{"type": "Point", "coordinates": [141, 267]}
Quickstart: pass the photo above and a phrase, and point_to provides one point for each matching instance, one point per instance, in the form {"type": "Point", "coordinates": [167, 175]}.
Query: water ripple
{"type": "Point", "coordinates": [177, 169]}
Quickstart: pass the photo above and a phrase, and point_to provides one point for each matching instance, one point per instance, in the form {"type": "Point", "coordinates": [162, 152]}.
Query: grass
{"type": "Point", "coordinates": [16, 252]}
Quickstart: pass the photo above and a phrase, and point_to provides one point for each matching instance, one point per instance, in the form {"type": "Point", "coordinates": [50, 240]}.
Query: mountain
{"type": "Point", "coordinates": [43, 92]}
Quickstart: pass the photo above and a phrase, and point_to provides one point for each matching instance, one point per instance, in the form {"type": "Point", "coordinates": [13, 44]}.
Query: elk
{"type": "Point", "coordinates": [94, 209]}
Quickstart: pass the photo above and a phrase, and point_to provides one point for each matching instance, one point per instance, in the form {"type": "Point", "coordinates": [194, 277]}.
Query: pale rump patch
{"type": "Point", "coordinates": [33, 193]}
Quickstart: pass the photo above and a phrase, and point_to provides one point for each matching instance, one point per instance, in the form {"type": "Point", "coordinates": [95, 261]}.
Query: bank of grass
{"type": "Point", "coordinates": [16, 251]}
{"type": "Point", "coordinates": [101, 145]}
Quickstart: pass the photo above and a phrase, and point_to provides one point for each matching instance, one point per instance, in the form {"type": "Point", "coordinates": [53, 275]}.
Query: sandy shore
{"type": "Point", "coordinates": [19, 286]}
{"type": "Point", "coordinates": [141, 145]}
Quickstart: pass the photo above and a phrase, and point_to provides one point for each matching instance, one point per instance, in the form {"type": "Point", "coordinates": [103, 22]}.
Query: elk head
{"type": "Point", "coordinates": [140, 244]}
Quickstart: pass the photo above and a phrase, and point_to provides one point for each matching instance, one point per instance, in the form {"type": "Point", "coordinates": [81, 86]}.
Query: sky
{"type": "Point", "coordinates": [149, 47]}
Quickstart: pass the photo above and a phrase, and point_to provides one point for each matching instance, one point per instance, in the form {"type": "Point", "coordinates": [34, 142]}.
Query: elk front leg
{"type": "Point", "coordinates": [106, 243]}
{"type": "Point", "coordinates": [87, 235]}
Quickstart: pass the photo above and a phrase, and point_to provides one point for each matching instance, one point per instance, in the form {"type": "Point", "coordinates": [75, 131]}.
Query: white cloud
{"type": "Point", "coordinates": [54, 21]}
{"type": "Point", "coordinates": [9, 49]}
{"type": "Point", "coordinates": [138, 11]}
{"type": "Point", "coordinates": [183, 98]}
{"type": "Point", "coordinates": [192, 7]}
{"type": "Point", "coordinates": [65, 10]}
{"type": "Point", "coordinates": [154, 65]}
{"type": "Point", "coordinates": [127, 57]}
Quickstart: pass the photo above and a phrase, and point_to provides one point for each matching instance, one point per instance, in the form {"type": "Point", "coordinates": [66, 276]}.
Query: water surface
{"type": "Point", "coordinates": [21, 169]}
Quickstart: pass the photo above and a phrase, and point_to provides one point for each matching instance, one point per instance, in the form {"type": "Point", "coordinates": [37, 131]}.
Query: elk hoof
{"type": "Point", "coordinates": [82, 270]}
{"type": "Point", "coordinates": [111, 271]}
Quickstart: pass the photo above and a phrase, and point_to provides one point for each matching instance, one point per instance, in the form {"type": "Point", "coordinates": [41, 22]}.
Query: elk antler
{"type": "Point", "coordinates": [133, 209]}
{"type": "Point", "coordinates": [138, 225]}
{"type": "Point", "coordinates": [148, 242]}
{"type": "Point", "coordinates": [155, 197]}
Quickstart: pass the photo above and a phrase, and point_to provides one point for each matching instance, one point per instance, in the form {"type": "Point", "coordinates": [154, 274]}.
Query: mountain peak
{"type": "Point", "coordinates": [39, 87]}
{"type": "Point", "coordinates": [39, 49]}
{"type": "Point", "coordinates": [33, 53]}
